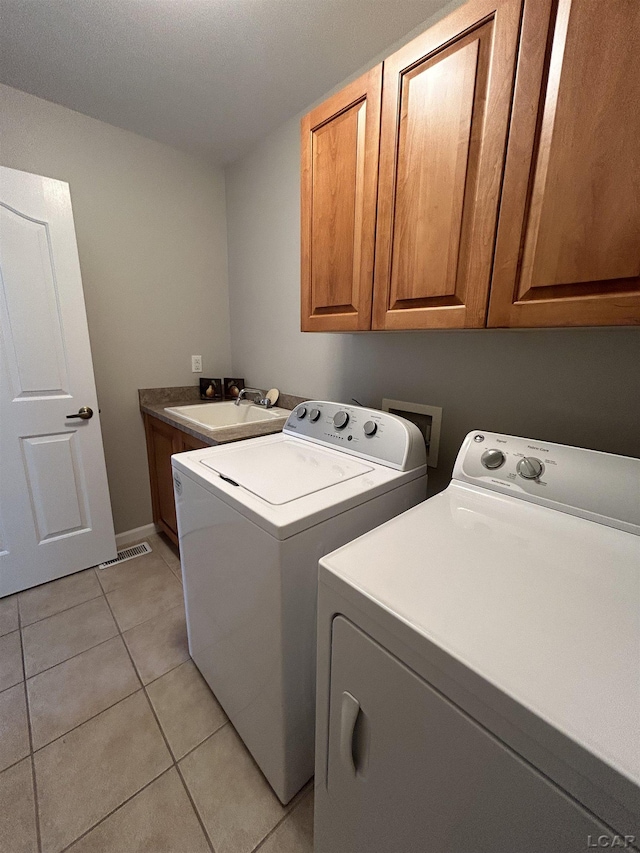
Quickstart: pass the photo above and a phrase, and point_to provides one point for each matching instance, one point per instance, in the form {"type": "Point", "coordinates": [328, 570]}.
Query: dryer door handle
{"type": "Point", "coordinates": [348, 717]}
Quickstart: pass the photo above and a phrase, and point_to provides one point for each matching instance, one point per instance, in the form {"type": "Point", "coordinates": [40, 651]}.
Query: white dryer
{"type": "Point", "coordinates": [254, 518]}
{"type": "Point", "coordinates": [479, 663]}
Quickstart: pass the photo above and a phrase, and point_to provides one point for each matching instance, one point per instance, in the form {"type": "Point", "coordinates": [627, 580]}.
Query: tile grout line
{"type": "Point", "coordinates": [66, 660]}
{"type": "Point", "coordinates": [129, 582]}
{"type": "Point", "coordinates": [36, 806]}
{"type": "Point", "coordinates": [272, 831]}
{"type": "Point", "coordinates": [119, 634]}
{"type": "Point", "coordinates": [158, 677]}
{"type": "Point", "coordinates": [168, 746]}
{"type": "Point", "coordinates": [175, 762]}
{"type": "Point", "coordinates": [171, 753]}
{"type": "Point", "coordinates": [159, 776]}
{"type": "Point", "coordinates": [113, 811]}
{"type": "Point", "coordinates": [139, 689]}
{"type": "Point", "coordinates": [164, 737]}
{"type": "Point", "coordinates": [143, 688]}
{"type": "Point", "coordinates": [195, 807]}
{"type": "Point", "coordinates": [65, 609]}
{"type": "Point", "coordinates": [102, 642]}
{"type": "Point", "coordinates": [103, 592]}
{"type": "Point", "coordinates": [14, 763]}
{"type": "Point", "coordinates": [31, 753]}
{"type": "Point", "coordinates": [90, 648]}
{"type": "Point", "coordinates": [158, 550]}
{"type": "Point", "coordinates": [144, 622]}
{"type": "Point", "coordinates": [287, 814]}
{"type": "Point", "coordinates": [34, 751]}
{"type": "Point", "coordinates": [15, 684]}
{"type": "Point", "coordinates": [227, 722]}
{"type": "Point", "coordinates": [88, 720]}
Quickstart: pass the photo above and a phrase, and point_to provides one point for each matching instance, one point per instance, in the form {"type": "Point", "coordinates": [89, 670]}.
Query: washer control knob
{"type": "Point", "coordinates": [370, 428]}
{"type": "Point", "coordinates": [314, 414]}
{"type": "Point", "coordinates": [529, 467]}
{"type": "Point", "coordinates": [492, 459]}
{"type": "Point", "coordinates": [302, 412]}
{"type": "Point", "coordinates": [340, 420]}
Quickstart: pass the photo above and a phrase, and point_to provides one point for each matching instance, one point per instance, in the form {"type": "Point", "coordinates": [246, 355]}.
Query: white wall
{"type": "Point", "coordinates": [150, 223]}
{"type": "Point", "coordinates": [575, 386]}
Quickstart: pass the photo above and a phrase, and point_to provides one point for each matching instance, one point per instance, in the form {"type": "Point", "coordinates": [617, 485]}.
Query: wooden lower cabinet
{"type": "Point", "coordinates": [163, 441]}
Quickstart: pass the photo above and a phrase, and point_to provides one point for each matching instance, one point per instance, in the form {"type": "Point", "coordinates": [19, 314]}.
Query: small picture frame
{"type": "Point", "coordinates": [428, 419]}
{"type": "Point", "coordinates": [210, 389]}
{"type": "Point", "coordinates": [232, 387]}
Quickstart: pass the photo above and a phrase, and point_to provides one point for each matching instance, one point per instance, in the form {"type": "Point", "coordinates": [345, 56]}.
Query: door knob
{"type": "Point", "coordinates": [85, 413]}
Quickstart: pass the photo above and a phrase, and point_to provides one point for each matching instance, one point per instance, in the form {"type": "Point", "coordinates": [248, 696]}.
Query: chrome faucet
{"type": "Point", "coordinates": [260, 397]}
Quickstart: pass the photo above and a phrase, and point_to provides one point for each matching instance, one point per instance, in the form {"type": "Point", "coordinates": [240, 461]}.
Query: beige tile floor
{"type": "Point", "coordinates": [110, 740]}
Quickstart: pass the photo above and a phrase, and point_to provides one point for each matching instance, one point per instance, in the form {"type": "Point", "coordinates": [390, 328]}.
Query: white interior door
{"type": "Point", "coordinates": [55, 513]}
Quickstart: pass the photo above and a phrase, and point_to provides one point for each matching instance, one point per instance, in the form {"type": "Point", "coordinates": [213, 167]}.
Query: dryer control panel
{"type": "Point", "coordinates": [588, 483]}
{"type": "Point", "coordinates": [367, 433]}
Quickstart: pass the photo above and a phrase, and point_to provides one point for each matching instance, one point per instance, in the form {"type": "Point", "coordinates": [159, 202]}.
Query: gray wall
{"type": "Point", "coordinates": [575, 386]}
{"type": "Point", "coordinates": [150, 223]}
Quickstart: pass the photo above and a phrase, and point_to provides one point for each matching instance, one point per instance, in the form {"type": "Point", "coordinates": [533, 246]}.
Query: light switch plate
{"type": "Point", "coordinates": [196, 364]}
{"type": "Point", "coordinates": [428, 419]}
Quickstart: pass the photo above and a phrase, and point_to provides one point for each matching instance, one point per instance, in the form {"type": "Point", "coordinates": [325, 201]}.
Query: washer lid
{"type": "Point", "coordinates": [283, 472]}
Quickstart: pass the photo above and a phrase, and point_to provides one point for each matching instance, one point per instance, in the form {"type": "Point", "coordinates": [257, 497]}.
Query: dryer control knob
{"type": "Point", "coordinates": [340, 420]}
{"type": "Point", "coordinates": [530, 468]}
{"type": "Point", "coordinates": [370, 428]}
{"type": "Point", "coordinates": [302, 412]}
{"type": "Point", "coordinates": [492, 459]}
{"type": "Point", "coordinates": [314, 414]}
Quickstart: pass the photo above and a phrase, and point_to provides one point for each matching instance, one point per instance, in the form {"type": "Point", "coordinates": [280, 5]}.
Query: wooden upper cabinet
{"type": "Point", "coordinates": [568, 245]}
{"type": "Point", "coordinates": [340, 141]}
{"type": "Point", "coordinates": [445, 111]}
{"type": "Point", "coordinates": [454, 131]}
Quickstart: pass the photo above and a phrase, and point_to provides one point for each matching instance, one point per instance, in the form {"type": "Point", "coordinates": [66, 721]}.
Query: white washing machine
{"type": "Point", "coordinates": [479, 663]}
{"type": "Point", "coordinates": [254, 518]}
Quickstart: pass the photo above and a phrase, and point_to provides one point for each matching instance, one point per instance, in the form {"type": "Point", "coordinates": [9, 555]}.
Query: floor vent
{"type": "Point", "coordinates": [128, 554]}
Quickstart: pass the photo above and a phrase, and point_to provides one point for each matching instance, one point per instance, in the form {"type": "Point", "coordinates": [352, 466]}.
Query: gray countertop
{"type": "Point", "coordinates": [154, 401]}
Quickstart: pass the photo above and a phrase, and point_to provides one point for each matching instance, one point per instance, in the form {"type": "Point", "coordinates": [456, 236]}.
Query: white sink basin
{"type": "Point", "coordinates": [219, 415]}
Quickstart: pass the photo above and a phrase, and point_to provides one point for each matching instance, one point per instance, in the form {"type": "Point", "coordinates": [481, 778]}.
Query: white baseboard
{"type": "Point", "coordinates": [135, 534]}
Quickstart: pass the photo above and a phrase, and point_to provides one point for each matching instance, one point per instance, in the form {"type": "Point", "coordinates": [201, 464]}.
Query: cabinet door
{"type": "Point", "coordinates": [409, 771]}
{"type": "Point", "coordinates": [568, 247]}
{"type": "Point", "coordinates": [162, 441]}
{"type": "Point", "coordinates": [339, 149]}
{"type": "Point", "coordinates": [445, 108]}
{"type": "Point", "coordinates": [189, 442]}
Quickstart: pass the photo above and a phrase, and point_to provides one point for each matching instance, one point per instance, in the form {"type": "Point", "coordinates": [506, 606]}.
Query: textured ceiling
{"type": "Point", "coordinates": [208, 76]}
